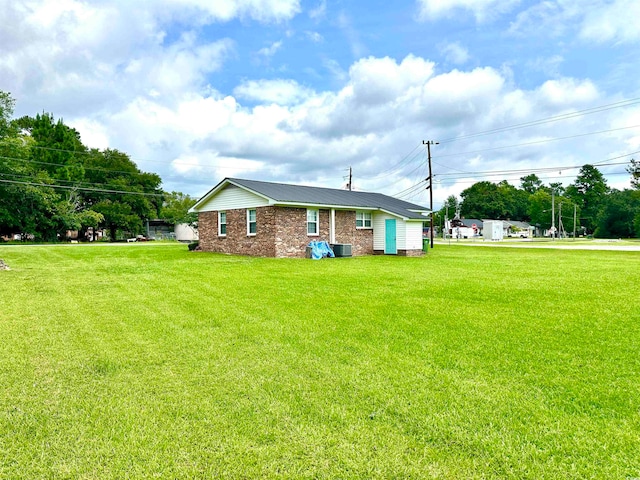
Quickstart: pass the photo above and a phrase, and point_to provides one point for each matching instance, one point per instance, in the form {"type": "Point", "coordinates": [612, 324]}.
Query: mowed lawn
{"type": "Point", "coordinates": [149, 361]}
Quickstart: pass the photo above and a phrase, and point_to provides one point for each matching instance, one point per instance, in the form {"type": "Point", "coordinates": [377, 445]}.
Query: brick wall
{"type": "Point", "coordinates": [346, 232]}
{"type": "Point", "coordinates": [291, 237]}
{"type": "Point", "coordinates": [208, 228]}
{"type": "Point", "coordinates": [237, 241]}
{"type": "Point", "coordinates": [281, 232]}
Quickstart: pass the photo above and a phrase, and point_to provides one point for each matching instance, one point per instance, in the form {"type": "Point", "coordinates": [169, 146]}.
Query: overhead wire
{"type": "Point", "coordinates": [76, 183]}
{"type": "Point", "coordinates": [137, 161]}
{"type": "Point", "coordinates": [515, 179]}
{"type": "Point", "coordinates": [98, 169]}
{"type": "Point", "coordinates": [555, 139]}
{"type": "Point", "coordinates": [565, 116]}
{"type": "Point", "coordinates": [69, 187]}
{"type": "Point", "coordinates": [607, 162]}
{"type": "Point", "coordinates": [394, 168]}
{"type": "Point", "coordinates": [417, 188]}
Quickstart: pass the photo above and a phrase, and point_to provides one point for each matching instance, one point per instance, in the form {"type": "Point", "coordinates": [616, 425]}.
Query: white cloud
{"type": "Point", "coordinates": [380, 80]}
{"type": "Point", "coordinates": [271, 50]}
{"type": "Point", "coordinates": [282, 92]}
{"type": "Point", "coordinates": [207, 11]}
{"type": "Point", "coordinates": [612, 21]}
{"type": "Point", "coordinates": [319, 11]}
{"type": "Point", "coordinates": [352, 35]}
{"type": "Point", "coordinates": [315, 37]}
{"type": "Point", "coordinates": [455, 53]}
{"type": "Point", "coordinates": [67, 54]}
{"type": "Point", "coordinates": [181, 66]}
{"type": "Point", "coordinates": [567, 91]}
{"type": "Point", "coordinates": [596, 21]}
{"type": "Point", "coordinates": [336, 70]}
{"type": "Point", "coordinates": [94, 133]}
{"type": "Point", "coordinates": [482, 10]}
{"type": "Point", "coordinates": [550, 66]}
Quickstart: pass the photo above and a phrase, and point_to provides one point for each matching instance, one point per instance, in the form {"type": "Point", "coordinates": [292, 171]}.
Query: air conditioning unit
{"type": "Point", "coordinates": [341, 249]}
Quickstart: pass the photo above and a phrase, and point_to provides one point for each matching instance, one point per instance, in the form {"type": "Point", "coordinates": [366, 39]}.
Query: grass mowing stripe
{"type": "Point", "coordinates": [143, 361]}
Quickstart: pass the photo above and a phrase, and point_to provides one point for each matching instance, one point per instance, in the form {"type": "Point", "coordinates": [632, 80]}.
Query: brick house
{"type": "Point", "coordinates": [249, 217]}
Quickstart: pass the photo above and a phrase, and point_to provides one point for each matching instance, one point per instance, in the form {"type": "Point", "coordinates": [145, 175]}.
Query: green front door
{"type": "Point", "coordinates": [390, 237]}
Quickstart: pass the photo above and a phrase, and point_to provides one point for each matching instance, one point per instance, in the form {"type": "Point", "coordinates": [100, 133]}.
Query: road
{"type": "Point", "coordinates": [610, 245]}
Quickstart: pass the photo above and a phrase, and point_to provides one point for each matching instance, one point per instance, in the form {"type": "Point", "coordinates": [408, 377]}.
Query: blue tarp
{"type": "Point", "coordinates": [320, 249]}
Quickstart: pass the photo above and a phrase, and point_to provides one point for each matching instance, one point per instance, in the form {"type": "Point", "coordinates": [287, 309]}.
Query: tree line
{"type": "Point", "coordinates": [598, 209]}
{"type": "Point", "coordinates": [51, 184]}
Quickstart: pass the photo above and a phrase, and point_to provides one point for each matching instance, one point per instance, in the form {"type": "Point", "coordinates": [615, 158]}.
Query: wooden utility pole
{"type": "Point", "coordinates": [350, 177]}
{"type": "Point", "coordinates": [428, 143]}
{"type": "Point", "coordinates": [553, 213]}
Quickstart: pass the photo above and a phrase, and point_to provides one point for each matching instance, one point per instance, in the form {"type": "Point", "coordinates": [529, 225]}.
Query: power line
{"type": "Point", "coordinates": [454, 181]}
{"type": "Point", "coordinates": [73, 182]}
{"type": "Point", "coordinates": [565, 116]}
{"type": "Point", "coordinates": [415, 189]}
{"type": "Point", "coordinates": [99, 169]}
{"type": "Point", "coordinates": [543, 169]}
{"type": "Point", "coordinates": [136, 161]}
{"type": "Point", "coordinates": [539, 141]}
{"type": "Point", "coordinates": [68, 187]}
{"type": "Point", "coordinates": [394, 167]}
{"type": "Point", "coordinates": [411, 189]}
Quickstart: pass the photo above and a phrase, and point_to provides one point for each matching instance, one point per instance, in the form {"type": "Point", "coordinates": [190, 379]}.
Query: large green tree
{"type": "Point", "coordinates": [530, 183]}
{"type": "Point", "coordinates": [50, 183]}
{"type": "Point", "coordinates": [542, 205]}
{"type": "Point", "coordinates": [482, 200]}
{"type": "Point", "coordinates": [618, 215]}
{"type": "Point", "coordinates": [589, 191]}
{"type": "Point", "coordinates": [6, 112]}
{"type": "Point", "coordinates": [515, 201]}
{"type": "Point", "coordinates": [497, 201]}
{"type": "Point", "coordinates": [634, 170]}
{"type": "Point", "coordinates": [175, 208]}
{"type": "Point", "coordinates": [123, 194]}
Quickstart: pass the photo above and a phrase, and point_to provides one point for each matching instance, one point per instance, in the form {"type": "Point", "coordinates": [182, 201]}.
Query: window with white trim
{"type": "Point", "coordinates": [222, 224]}
{"type": "Point", "coordinates": [312, 222]}
{"type": "Point", "coordinates": [252, 225]}
{"type": "Point", "coordinates": [363, 220]}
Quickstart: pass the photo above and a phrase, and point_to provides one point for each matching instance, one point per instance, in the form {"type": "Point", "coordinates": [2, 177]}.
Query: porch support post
{"type": "Point", "coordinates": [332, 226]}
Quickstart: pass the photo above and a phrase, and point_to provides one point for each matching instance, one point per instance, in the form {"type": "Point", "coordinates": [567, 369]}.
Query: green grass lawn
{"type": "Point", "coordinates": [149, 361]}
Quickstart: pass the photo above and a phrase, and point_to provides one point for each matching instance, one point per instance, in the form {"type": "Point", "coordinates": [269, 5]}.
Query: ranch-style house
{"type": "Point", "coordinates": [249, 217]}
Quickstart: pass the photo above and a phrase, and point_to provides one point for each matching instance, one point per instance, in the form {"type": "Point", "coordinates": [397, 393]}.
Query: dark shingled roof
{"type": "Point", "coordinates": [287, 193]}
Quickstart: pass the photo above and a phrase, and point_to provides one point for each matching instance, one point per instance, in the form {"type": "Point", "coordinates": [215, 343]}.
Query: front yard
{"type": "Point", "coordinates": [144, 361]}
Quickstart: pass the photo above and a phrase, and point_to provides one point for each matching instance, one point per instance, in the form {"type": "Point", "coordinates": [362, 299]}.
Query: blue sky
{"type": "Point", "coordinates": [300, 91]}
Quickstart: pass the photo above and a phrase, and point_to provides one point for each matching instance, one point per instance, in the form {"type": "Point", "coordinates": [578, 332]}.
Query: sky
{"type": "Point", "coordinates": [299, 91]}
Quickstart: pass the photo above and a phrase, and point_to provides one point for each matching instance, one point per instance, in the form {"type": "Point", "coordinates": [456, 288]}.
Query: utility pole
{"type": "Point", "coordinates": [575, 212]}
{"type": "Point", "coordinates": [428, 143]}
{"type": "Point", "coordinates": [446, 218]}
{"type": "Point", "coordinates": [553, 213]}
{"type": "Point", "coordinates": [350, 178]}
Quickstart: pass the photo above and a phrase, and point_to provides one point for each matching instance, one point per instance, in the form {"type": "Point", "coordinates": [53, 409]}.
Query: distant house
{"type": "Point", "coordinates": [474, 227]}
{"type": "Point", "coordinates": [514, 228]}
{"type": "Point", "coordinates": [464, 227]}
{"type": "Point", "coordinates": [160, 229]}
{"type": "Point", "coordinates": [250, 217]}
